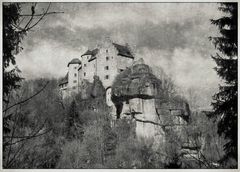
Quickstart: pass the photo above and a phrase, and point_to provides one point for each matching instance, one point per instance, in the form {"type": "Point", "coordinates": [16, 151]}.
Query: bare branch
{"type": "Point", "coordinates": [29, 98]}
{"type": "Point", "coordinates": [14, 157]}
{"type": "Point", "coordinates": [155, 123]}
{"type": "Point", "coordinates": [38, 15]}
{"type": "Point", "coordinates": [14, 127]}
{"type": "Point", "coordinates": [29, 137]}
{"type": "Point", "coordinates": [30, 27]}
{"type": "Point", "coordinates": [30, 20]}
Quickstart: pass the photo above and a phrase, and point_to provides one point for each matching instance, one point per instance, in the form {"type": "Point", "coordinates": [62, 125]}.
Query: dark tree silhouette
{"type": "Point", "coordinates": [225, 101]}
{"type": "Point", "coordinates": [11, 41]}
{"type": "Point", "coordinates": [15, 28]}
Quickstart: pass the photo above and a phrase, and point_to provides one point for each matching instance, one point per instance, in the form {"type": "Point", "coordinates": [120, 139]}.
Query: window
{"type": "Point", "coordinates": [106, 76]}
{"type": "Point", "coordinates": [121, 70]}
{"type": "Point", "coordinates": [75, 67]}
{"type": "Point", "coordinates": [84, 74]}
{"type": "Point", "coordinates": [74, 87]}
{"type": "Point", "coordinates": [75, 81]}
{"type": "Point", "coordinates": [106, 67]}
{"type": "Point", "coordinates": [107, 58]}
{"type": "Point", "coordinates": [85, 65]}
{"type": "Point", "coordinates": [106, 51]}
{"type": "Point", "coordinates": [75, 74]}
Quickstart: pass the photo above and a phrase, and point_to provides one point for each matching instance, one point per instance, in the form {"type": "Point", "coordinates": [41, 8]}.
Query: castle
{"type": "Point", "coordinates": [106, 61]}
{"type": "Point", "coordinates": [131, 87]}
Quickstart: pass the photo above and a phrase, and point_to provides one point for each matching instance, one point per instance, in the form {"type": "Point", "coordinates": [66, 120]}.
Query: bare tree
{"type": "Point", "coordinates": [16, 26]}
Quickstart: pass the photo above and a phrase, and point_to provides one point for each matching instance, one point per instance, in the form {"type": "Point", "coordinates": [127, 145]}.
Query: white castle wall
{"type": "Point", "coordinates": [88, 68]}
{"type": "Point", "coordinates": [73, 81]}
{"type": "Point", "coordinates": [106, 64]}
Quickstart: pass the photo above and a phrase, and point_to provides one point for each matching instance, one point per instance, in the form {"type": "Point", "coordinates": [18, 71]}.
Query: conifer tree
{"type": "Point", "coordinates": [225, 101]}
{"type": "Point", "coordinates": [11, 46]}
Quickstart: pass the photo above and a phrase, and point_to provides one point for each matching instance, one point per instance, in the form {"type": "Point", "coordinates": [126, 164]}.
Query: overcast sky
{"type": "Point", "coordinates": [173, 36]}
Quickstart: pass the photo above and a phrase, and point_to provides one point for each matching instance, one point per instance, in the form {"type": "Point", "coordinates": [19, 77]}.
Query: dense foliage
{"type": "Point", "coordinates": [81, 136]}
{"type": "Point", "coordinates": [226, 100]}
{"type": "Point", "coordinates": [11, 46]}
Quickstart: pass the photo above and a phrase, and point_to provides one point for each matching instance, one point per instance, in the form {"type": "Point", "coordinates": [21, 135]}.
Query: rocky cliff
{"type": "Point", "coordinates": [137, 92]}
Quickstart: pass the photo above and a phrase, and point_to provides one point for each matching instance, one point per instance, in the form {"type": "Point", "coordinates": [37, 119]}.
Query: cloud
{"type": "Point", "coordinates": [187, 67]}
{"type": "Point", "coordinates": [173, 36]}
{"type": "Point", "coordinates": [48, 59]}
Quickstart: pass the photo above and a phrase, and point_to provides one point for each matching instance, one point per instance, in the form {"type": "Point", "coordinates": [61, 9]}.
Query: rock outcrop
{"type": "Point", "coordinates": [138, 93]}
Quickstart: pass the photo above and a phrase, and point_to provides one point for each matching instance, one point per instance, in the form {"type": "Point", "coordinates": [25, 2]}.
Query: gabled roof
{"type": "Point", "coordinates": [91, 52]}
{"type": "Point", "coordinates": [64, 80]}
{"type": "Point", "coordinates": [123, 50]}
{"type": "Point", "coordinates": [74, 61]}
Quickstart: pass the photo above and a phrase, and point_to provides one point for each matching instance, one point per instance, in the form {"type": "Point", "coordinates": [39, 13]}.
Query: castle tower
{"type": "Point", "coordinates": [73, 79]}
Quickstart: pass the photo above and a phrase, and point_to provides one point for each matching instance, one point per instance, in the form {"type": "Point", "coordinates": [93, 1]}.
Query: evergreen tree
{"type": "Point", "coordinates": [11, 46]}
{"type": "Point", "coordinates": [225, 101]}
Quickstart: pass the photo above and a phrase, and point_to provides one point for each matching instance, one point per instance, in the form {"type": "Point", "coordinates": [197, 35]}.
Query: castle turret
{"type": "Point", "coordinates": [73, 80]}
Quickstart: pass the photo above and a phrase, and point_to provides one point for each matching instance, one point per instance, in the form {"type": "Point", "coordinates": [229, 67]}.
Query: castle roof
{"type": "Point", "coordinates": [64, 80]}
{"type": "Point", "coordinates": [91, 52]}
{"type": "Point", "coordinates": [74, 61]}
{"type": "Point", "coordinates": [123, 50]}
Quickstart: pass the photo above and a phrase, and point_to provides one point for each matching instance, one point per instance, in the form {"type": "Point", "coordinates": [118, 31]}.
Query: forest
{"type": "Point", "coordinates": [49, 132]}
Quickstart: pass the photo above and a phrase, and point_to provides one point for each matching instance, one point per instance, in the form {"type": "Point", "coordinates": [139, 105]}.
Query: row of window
{"type": "Point", "coordinates": [108, 58]}
{"type": "Point", "coordinates": [106, 68]}
{"type": "Point", "coordinates": [85, 65]}
{"type": "Point", "coordinates": [106, 77]}
{"type": "Point", "coordinates": [75, 81]}
{"type": "Point", "coordinates": [63, 85]}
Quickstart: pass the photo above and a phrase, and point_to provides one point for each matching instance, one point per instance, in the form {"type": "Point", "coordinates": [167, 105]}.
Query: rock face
{"type": "Point", "coordinates": [137, 93]}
